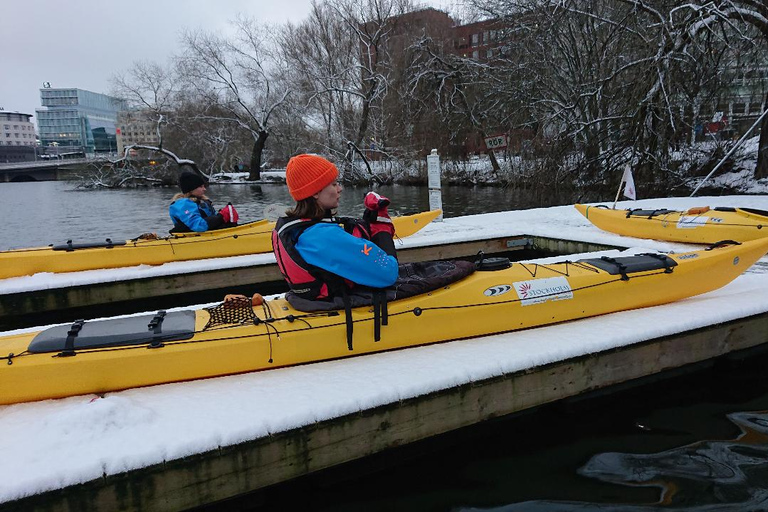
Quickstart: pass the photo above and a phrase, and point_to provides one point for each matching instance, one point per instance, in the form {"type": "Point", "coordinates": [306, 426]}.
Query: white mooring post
{"type": "Point", "coordinates": [433, 181]}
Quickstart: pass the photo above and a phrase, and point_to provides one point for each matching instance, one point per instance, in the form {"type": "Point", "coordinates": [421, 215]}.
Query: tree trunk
{"type": "Point", "coordinates": [364, 116]}
{"type": "Point", "coordinates": [258, 148]}
{"type": "Point", "coordinates": [761, 169]}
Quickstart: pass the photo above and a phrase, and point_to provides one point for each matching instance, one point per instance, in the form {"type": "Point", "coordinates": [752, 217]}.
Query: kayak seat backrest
{"type": "Point", "coordinates": [648, 213]}
{"type": "Point", "coordinates": [117, 332]}
{"type": "Point", "coordinates": [629, 264]}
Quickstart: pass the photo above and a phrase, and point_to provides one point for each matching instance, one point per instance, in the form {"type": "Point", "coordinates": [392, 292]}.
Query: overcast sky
{"type": "Point", "coordinates": [82, 43]}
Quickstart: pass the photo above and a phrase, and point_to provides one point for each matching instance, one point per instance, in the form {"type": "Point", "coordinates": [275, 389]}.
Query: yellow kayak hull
{"type": "Point", "coordinates": [696, 225]}
{"type": "Point", "coordinates": [250, 238]}
{"type": "Point", "coordinates": [522, 296]}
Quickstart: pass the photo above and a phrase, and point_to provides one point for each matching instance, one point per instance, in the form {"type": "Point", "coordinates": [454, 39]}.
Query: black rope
{"type": "Point", "coordinates": [269, 338]}
{"type": "Point", "coordinates": [11, 356]}
{"type": "Point", "coordinates": [566, 273]}
{"type": "Point", "coordinates": [348, 316]}
{"type": "Point", "coordinates": [662, 217]}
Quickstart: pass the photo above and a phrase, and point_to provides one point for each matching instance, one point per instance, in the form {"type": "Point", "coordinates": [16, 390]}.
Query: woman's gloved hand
{"type": "Point", "coordinates": [377, 217]}
{"type": "Point", "coordinates": [376, 213]}
{"type": "Point", "coordinates": [229, 214]}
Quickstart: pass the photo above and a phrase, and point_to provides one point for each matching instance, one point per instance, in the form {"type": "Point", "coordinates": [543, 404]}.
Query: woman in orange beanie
{"type": "Point", "coordinates": [330, 267]}
{"type": "Point", "coordinates": [318, 257]}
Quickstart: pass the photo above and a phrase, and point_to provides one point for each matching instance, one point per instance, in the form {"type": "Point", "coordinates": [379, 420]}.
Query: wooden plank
{"type": "Point", "coordinates": [231, 471]}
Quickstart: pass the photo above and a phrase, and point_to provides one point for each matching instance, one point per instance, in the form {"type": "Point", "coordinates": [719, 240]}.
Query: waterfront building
{"type": "Point", "coordinates": [17, 137]}
{"type": "Point", "coordinates": [78, 120]}
{"type": "Point", "coordinates": [17, 129]}
{"type": "Point", "coordinates": [136, 127]}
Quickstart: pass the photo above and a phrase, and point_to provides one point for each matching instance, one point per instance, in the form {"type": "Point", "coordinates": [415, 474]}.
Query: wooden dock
{"type": "Point", "coordinates": [209, 477]}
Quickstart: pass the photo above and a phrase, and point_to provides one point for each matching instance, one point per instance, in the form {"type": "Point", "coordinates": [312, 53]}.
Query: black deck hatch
{"type": "Point", "coordinates": [137, 330]}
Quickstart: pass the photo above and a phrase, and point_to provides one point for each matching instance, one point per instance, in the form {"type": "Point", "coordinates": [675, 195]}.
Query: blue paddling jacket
{"type": "Point", "coordinates": [190, 215]}
{"type": "Point", "coordinates": [311, 253]}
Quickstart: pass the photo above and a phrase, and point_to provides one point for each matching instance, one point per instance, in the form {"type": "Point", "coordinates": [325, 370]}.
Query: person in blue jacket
{"type": "Point", "coordinates": [191, 210]}
{"type": "Point", "coordinates": [319, 258]}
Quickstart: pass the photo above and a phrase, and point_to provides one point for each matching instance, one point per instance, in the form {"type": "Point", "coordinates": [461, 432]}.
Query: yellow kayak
{"type": "Point", "coordinates": [109, 355]}
{"type": "Point", "coordinates": [701, 225]}
{"type": "Point", "coordinates": [250, 238]}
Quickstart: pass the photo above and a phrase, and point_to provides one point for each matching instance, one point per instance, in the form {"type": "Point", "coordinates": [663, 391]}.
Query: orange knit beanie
{"type": "Point", "coordinates": [306, 175]}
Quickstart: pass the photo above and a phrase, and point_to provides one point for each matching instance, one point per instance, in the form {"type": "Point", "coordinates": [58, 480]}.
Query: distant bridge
{"type": "Point", "coordinates": [41, 170]}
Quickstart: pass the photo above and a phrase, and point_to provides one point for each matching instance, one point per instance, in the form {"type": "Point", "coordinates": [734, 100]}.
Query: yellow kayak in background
{"type": "Point", "coordinates": [113, 354]}
{"type": "Point", "coordinates": [250, 238]}
{"type": "Point", "coordinates": [701, 225]}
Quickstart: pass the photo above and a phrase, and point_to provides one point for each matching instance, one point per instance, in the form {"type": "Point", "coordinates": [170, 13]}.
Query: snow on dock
{"type": "Point", "coordinates": [56, 444]}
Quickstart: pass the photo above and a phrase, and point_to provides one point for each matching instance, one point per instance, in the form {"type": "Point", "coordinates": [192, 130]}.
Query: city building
{"type": "Point", "coordinates": [136, 127]}
{"type": "Point", "coordinates": [17, 129]}
{"type": "Point", "coordinates": [77, 120]}
{"type": "Point", "coordinates": [479, 41]}
{"type": "Point", "coordinates": [17, 137]}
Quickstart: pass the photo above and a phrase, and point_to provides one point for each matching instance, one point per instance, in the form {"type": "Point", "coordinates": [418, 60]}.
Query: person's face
{"type": "Point", "coordinates": [328, 198]}
{"type": "Point", "coordinates": [199, 191]}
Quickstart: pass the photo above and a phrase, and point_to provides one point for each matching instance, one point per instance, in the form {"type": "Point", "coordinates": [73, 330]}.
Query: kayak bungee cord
{"type": "Point", "coordinates": [11, 356]}
{"type": "Point", "coordinates": [661, 216]}
{"type": "Point", "coordinates": [565, 273]}
{"type": "Point", "coordinates": [139, 243]}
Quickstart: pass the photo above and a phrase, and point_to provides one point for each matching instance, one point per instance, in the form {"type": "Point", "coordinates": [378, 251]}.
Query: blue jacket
{"type": "Point", "coordinates": [328, 246]}
{"type": "Point", "coordinates": [189, 215]}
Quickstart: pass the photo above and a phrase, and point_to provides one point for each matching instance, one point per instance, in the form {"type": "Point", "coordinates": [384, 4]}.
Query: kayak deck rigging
{"type": "Point", "coordinates": [156, 330]}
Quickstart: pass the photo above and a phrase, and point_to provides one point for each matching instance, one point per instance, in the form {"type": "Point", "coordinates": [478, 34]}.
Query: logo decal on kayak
{"type": "Point", "coordinates": [736, 260]}
{"type": "Point", "coordinates": [688, 256]}
{"type": "Point", "coordinates": [495, 291]}
{"type": "Point", "coordinates": [538, 291]}
{"type": "Point", "coordinates": [691, 222]}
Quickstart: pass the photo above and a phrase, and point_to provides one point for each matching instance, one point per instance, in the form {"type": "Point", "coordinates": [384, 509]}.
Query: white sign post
{"type": "Point", "coordinates": [433, 181]}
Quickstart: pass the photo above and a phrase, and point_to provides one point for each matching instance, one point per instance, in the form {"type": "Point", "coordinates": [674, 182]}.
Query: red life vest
{"type": "Point", "coordinates": [306, 280]}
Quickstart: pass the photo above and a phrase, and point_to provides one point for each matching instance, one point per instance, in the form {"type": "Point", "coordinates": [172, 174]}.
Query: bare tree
{"type": "Point", "coordinates": [151, 90]}
{"type": "Point", "coordinates": [320, 57]}
{"type": "Point", "coordinates": [623, 80]}
{"type": "Point", "coordinates": [677, 27]}
{"type": "Point", "coordinates": [464, 90]}
{"type": "Point", "coordinates": [235, 74]}
{"type": "Point", "coordinates": [372, 22]}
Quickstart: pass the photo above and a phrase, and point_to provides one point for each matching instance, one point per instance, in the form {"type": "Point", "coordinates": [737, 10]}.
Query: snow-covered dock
{"type": "Point", "coordinates": [179, 445]}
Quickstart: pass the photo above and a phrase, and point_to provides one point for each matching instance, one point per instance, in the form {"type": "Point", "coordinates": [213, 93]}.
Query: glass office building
{"type": "Point", "coordinates": [78, 120]}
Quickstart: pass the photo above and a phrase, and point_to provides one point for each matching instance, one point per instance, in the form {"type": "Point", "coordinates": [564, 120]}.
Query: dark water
{"type": "Point", "coordinates": [40, 213]}
{"type": "Point", "coordinates": [691, 442]}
